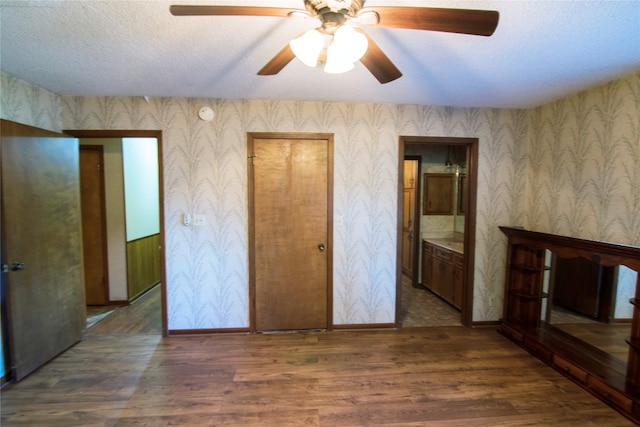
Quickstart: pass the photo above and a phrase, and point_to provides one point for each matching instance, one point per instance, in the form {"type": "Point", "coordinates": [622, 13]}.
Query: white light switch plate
{"type": "Point", "coordinates": [199, 220]}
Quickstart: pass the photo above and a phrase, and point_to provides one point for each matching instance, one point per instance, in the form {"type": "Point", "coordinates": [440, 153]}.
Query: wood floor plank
{"type": "Point", "coordinates": [445, 376]}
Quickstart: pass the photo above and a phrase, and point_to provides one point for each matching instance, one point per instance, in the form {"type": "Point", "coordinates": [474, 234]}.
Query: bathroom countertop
{"type": "Point", "coordinates": [451, 242]}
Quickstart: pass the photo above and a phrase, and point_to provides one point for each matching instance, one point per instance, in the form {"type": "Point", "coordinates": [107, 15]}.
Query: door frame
{"type": "Point", "coordinates": [137, 133]}
{"type": "Point", "coordinates": [251, 136]}
{"type": "Point", "coordinates": [469, 223]}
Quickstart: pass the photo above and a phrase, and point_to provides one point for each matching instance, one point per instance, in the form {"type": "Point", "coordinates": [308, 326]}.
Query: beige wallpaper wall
{"type": "Point", "coordinates": [28, 104]}
{"type": "Point", "coordinates": [205, 172]}
{"type": "Point", "coordinates": [585, 164]}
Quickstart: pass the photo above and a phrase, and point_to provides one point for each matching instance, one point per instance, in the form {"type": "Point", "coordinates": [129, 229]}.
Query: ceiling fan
{"type": "Point", "coordinates": [337, 16]}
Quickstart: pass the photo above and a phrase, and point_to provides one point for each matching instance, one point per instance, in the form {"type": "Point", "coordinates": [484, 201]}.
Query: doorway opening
{"type": "Point", "coordinates": [436, 230]}
{"type": "Point", "coordinates": [132, 271]}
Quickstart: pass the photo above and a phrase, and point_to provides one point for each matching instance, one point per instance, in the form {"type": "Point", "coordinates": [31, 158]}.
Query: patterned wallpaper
{"type": "Point", "coordinates": [28, 104]}
{"type": "Point", "coordinates": [524, 171]}
{"type": "Point", "coordinates": [585, 163]}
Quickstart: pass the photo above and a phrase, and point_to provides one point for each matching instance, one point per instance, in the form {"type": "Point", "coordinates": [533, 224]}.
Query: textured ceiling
{"type": "Point", "coordinates": [541, 50]}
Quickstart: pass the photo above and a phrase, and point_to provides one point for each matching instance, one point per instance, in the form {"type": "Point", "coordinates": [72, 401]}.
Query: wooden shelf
{"type": "Point", "coordinates": [523, 295]}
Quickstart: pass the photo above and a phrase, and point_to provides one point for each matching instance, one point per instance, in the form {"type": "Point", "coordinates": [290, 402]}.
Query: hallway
{"type": "Point", "coordinates": [142, 317]}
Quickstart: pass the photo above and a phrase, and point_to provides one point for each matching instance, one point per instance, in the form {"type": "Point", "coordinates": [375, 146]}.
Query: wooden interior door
{"type": "Point", "coordinates": [291, 241]}
{"type": "Point", "coordinates": [42, 236]}
{"type": "Point", "coordinates": [94, 245]}
{"type": "Point", "coordinates": [409, 230]}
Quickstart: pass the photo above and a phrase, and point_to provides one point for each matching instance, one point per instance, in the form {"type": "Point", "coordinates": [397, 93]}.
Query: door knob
{"type": "Point", "coordinates": [321, 247]}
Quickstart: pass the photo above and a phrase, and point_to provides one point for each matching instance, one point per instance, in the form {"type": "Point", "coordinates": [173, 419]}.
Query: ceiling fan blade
{"type": "Point", "coordinates": [378, 63]}
{"type": "Point", "coordinates": [462, 21]}
{"type": "Point", "coordinates": [278, 62]}
{"type": "Point", "coordinates": [186, 10]}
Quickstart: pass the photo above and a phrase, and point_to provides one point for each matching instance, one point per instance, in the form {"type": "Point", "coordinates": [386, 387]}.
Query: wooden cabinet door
{"type": "Point", "coordinates": [438, 194]}
{"type": "Point", "coordinates": [458, 280]}
{"type": "Point", "coordinates": [427, 265]}
{"type": "Point", "coordinates": [442, 275]}
{"type": "Point", "coordinates": [41, 228]}
{"type": "Point", "coordinates": [291, 242]}
{"type": "Point", "coordinates": [447, 281]}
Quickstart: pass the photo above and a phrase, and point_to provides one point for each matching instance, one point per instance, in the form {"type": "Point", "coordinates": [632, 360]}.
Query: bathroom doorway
{"type": "Point", "coordinates": [443, 160]}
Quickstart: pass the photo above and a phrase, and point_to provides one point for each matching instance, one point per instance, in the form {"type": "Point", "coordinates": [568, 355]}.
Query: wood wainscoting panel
{"type": "Point", "coordinates": [143, 265]}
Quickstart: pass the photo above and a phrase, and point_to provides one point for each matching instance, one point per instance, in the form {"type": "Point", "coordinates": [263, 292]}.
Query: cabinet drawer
{"type": "Point", "coordinates": [569, 369]}
{"type": "Point", "coordinates": [512, 333]}
{"type": "Point", "coordinates": [538, 349]}
{"type": "Point", "coordinates": [442, 254]}
{"type": "Point", "coordinates": [610, 394]}
{"type": "Point", "coordinates": [427, 247]}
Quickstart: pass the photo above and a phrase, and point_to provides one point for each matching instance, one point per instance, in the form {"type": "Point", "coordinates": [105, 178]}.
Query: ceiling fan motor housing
{"type": "Point", "coordinates": [344, 7]}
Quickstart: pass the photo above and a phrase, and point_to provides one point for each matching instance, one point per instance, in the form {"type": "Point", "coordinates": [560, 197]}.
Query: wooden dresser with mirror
{"type": "Point", "coordinates": [574, 304]}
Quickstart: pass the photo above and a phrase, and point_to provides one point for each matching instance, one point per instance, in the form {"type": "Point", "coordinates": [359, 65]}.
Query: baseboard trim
{"type": "Point", "coordinates": [119, 302]}
{"type": "Point", "coordinates": [364, 326]}
{"type": "Point", "coordinates": [215, 331]}
{"type": "Point", "coordinates": [485, 324]}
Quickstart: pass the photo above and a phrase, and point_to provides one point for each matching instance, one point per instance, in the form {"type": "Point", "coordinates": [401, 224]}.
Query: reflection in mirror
{"type": "Point", "coordinates": [590, 302]}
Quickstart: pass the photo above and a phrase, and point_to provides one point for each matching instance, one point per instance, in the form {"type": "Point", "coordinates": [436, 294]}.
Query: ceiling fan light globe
{"type": "Point", "coordinates": [308, 46]}
{"type": "Point", "coordinates": [337, 61]}
{"type": "Point", "coordinates": [353, 43]}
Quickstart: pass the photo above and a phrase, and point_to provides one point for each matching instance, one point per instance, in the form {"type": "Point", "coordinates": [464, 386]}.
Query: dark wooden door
{"type": "Point", "coordinates": [410, 233]}
{"type": "Point", "coordinates": [41, 229]}
{"type": "Point", "coordinates": [93, 224]}
{"type": "Point", "coordinates": [291, 243]}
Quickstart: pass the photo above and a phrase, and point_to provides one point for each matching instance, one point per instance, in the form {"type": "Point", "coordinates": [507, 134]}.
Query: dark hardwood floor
{"type": "Point", "coordinates": [143, 316]}
{"type": "Point", "coordinates": [124, 373]}
{"type": "Point", "coordinates": [441, 376]}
